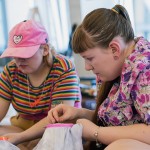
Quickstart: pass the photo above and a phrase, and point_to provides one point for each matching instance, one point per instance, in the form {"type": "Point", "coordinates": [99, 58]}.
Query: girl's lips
{"type": "Point", "coordinates": [98, 77]}
{"type": "Point", "coordinates": [22, 66]}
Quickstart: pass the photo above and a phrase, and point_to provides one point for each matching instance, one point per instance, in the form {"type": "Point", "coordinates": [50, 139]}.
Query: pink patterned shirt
{"type": "Point", "coordinates": [129, 101]}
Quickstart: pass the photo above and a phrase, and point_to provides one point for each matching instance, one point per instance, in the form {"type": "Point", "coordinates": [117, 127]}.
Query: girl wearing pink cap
{"type": "Point", "coordinates": [36, 80]}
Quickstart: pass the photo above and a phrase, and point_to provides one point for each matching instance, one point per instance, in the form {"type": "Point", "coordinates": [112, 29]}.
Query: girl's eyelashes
{"type": "Point", "coordinates": [89, 59]}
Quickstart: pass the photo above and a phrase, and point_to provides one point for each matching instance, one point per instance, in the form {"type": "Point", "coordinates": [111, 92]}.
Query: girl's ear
{"type": "Point", "coordinates": [115, 49]}
{"type": "Point", "coordinates": [45, 49]}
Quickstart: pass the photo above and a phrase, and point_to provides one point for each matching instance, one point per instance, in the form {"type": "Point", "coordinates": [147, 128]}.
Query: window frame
{"type": "Point", "coordinates": [3, 25]}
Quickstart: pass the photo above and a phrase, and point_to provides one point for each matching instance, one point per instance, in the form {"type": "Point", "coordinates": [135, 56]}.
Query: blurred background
{"type": "Point", "coordinates": [60, 18]}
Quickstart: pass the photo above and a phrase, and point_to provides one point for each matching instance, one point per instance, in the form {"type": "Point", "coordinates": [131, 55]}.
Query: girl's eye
{"type": "Point", "coordinates": [89, 59]}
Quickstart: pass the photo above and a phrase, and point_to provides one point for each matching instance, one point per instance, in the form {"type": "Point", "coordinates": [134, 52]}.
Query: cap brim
{"type": "Point", "coordinates": [20, 52]}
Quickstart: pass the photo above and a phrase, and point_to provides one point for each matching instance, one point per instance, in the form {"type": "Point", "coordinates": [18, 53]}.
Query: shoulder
{"type": "Point", "coordinates": [11, 70]}
{"type": "Point", "coordinates": [137, 63]}
{"type": "Point", "coordinates": [140, 57]}
{"type": "Point", "coordinates": [10, 67]}
{"type": "Point", "coordinates": [64, 63]}
{"type": "Point", "coordinates": [142, 49]}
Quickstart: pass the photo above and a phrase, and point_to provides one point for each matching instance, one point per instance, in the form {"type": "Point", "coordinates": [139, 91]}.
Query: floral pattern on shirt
{"type": "Point", "coordinates": [128, 102]}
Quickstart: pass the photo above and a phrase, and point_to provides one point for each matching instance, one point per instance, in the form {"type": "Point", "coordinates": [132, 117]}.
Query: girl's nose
{"type": "Point", "coordinates": [88, 66]}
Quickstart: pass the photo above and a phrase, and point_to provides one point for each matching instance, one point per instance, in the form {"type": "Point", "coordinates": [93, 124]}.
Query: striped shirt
{"type": "Point", "coordinates": [60, 84]}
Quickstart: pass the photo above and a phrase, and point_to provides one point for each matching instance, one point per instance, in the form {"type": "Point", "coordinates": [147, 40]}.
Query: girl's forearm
{"type": "Point", "coordinates": [34, 132]}
{"type": "Point", "coordinates": [138, 132]}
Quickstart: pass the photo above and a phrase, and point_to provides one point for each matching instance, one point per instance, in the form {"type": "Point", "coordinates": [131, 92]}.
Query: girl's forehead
{"type": "Point", "coordinates": [90, 52]}
{"type": "Point", "coordinates": [86, 53]}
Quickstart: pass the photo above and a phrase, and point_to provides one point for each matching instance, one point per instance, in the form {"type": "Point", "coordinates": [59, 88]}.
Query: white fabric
{"type": "Point", "coordinates": [5, 145]}
{"type": "Point", "coordinates": [61, 138]}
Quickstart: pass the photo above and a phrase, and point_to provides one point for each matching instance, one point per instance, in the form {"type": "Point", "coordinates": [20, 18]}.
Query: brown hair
{"type": "Point", "coordinates": [99, 28]}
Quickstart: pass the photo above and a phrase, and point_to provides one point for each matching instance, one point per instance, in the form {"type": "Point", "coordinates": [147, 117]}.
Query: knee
{"type": "Point", "coordinates": [114, 145]}
{"type": "Point", "coordinates": [127, 144]}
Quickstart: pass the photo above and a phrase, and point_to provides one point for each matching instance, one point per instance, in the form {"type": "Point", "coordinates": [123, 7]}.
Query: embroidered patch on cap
{"type": "Point", "coordinates": [17, 39]}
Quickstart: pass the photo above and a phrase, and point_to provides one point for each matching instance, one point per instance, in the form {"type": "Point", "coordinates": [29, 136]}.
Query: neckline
{"type": "Point", "coordinates": [36, 87]}
{"type": "Point", "coordinates": [38, 99]}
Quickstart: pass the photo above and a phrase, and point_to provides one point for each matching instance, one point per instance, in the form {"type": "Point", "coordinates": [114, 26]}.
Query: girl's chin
{"type": "Point", "coordinates": [103, 79]}
{"type": "Point", "coordinates": [25, 71]}
{"type": "Point", "coordinates": [100, 78]}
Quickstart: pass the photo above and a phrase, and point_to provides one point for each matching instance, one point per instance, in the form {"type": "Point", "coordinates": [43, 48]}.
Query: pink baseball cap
{"type": "Point", "coordinates": [25, 39]}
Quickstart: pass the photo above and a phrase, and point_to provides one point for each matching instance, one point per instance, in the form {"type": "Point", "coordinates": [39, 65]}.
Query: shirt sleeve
{"type": "Point", "coordinates": [66, 88]}
{"type": "Point", "coordinates": [141, 95]}
{"type": "Point", "coordinates": [5, 85]}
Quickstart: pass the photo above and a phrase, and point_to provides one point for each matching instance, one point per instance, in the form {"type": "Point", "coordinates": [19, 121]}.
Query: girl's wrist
{"type": "Point", "coordinates": [81, 113]}
{"type": "Point", "coordinates": [97, 137]}
{"type": "Point", "coordinates": [84, 113]}
{"type": "Point", "coordinates": [78, 113]}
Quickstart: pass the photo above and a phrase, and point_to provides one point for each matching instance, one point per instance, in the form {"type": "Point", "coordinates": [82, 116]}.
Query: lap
{"type": "Point", "coordinates": [28, 145]}
{"type": "Point", "coordinates": [127, 144]}
{"type": "Point", "coordinates": [4, 129]}
{"type": "Point", "coordinates": [19, 124]}
{"type": "Point", "coordinates": [23, 146]}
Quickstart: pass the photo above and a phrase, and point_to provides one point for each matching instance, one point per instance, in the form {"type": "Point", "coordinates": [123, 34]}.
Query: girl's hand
{"type": "Point", "coordinates": [62, 113]}
{"type": "Point", "coordinates": [89, 128]}
{"type": "Point", "coordinates": [13, 138]}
